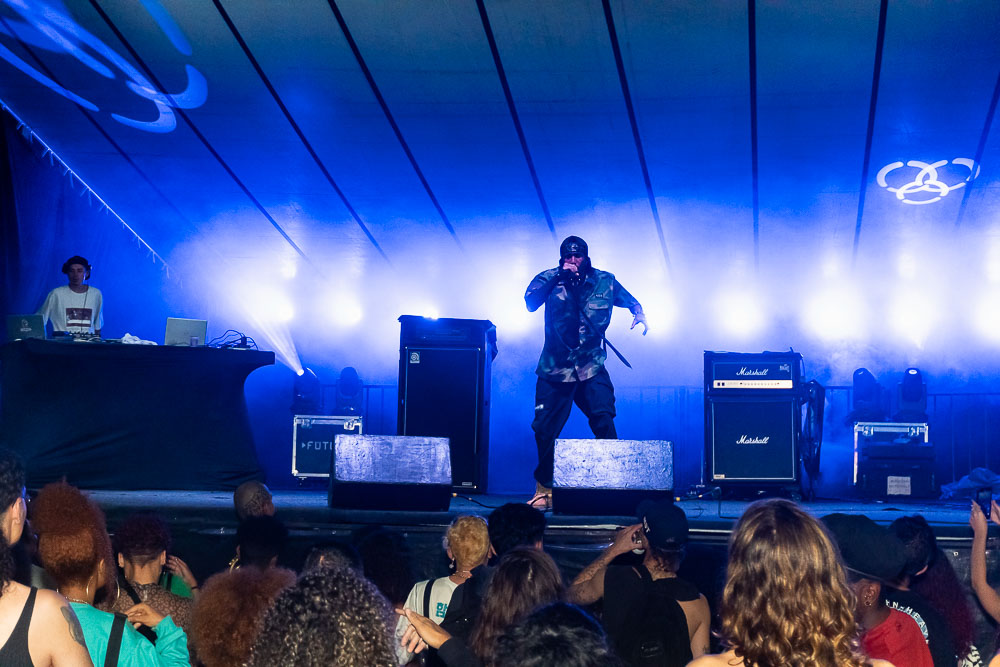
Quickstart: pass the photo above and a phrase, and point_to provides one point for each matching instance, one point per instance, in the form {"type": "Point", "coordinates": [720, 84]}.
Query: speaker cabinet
{"type": "Point", "coordinates": [444, 390]}
{"type": "Point", "coordinates": [610, 477]}
{"type": "Point", "coordinates": [390, 472]}
{"type": "Point", "coordinates": [753, 439]}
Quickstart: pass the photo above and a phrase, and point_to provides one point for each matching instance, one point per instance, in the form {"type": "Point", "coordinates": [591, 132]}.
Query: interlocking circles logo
{"type": "Point", "coordinates": [47, 25]}
{"type": "Point", "coordinates": [930, 181]}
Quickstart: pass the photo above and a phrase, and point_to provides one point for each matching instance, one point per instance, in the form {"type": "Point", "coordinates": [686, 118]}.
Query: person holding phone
{"type": "Point", "coordinates": [987, 596]}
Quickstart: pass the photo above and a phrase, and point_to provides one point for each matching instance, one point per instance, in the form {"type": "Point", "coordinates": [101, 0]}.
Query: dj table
{"type": "Point", "coordinates": [116, 416]}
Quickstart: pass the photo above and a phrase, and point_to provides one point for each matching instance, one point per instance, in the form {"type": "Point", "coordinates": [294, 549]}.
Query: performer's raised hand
{"type": "Point", "coordinates": [640, 318]}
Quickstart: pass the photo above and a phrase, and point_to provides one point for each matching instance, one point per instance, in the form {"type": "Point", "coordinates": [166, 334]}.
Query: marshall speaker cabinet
{"type": "Point", "coordinates": [444, 390]}
{"type": "Point", "coordinates": [753, 419]}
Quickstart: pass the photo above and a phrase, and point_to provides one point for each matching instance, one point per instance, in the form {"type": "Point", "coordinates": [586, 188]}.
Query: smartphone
{"type": "Point", "coordinates": [984, 498]}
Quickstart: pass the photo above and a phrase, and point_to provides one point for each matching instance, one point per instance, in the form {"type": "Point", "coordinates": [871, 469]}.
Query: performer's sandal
{"type": "Point", "coordinates": [542, 498]}
{"type": "Point", "coordinates": [541, 501]}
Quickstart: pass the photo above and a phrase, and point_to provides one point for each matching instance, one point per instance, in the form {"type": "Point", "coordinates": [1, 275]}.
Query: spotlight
{"type": "Point", "coordinates": [912, 395]}
{"type": "Point", "coordinates": [307, 397]}
{"type": "Point", "coordinates": [740, 312]}
{"type": "Point", "coordinates": [350, 392]}
{"type": "Point", "coordinates": [868, 404]}
{"type": "Point", "coordinates": [345, 312]}
{"type": "Point", "coordinates": [913, 316]}
{"type": "Point", "coordinates": [834, 314]}
{"type": "Point", "coordinates": [273, 306]}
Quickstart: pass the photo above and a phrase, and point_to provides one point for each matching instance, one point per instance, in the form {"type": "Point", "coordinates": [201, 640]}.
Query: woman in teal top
{"type": "Point", "coordinates": [75, 550]}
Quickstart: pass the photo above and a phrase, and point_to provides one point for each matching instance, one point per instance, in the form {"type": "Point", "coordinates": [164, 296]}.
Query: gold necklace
{"type": "Point", "coordinates": [72, 599]}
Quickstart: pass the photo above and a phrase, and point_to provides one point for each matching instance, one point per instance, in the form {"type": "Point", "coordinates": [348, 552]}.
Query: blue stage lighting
{"type": "Point", "coordinates": [740, 312]}
{"type": "Point", "coordinates": [834, 313]}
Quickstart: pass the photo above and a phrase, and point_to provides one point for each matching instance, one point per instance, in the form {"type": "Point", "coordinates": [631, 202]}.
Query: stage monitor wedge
{"type": "Point", "coordinates": [390, 472]}
{"type": "Point", "coordinates": [610, 477]}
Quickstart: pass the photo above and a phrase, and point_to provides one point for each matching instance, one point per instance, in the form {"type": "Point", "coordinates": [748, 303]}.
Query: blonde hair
{"type": "Point", "coordinates": [469, 540]}
{"type": "Point", "coordinates": [786, 599]}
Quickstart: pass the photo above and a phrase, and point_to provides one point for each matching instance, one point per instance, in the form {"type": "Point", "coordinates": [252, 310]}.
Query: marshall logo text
{"type": "Point", "coordinates": [756, 440]}
{"type": "Point", "coordinates": [752, 372]}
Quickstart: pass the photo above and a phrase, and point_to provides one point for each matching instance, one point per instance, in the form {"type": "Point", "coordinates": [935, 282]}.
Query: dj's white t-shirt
{"type": "Point", "coordinates": [73, 312]}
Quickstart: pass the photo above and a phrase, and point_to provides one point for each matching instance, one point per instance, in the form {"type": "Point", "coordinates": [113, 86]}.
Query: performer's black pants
{"type": "Point", "coordinates": [553, 402]}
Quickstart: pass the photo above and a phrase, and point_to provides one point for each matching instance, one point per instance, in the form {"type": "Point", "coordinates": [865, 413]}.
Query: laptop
{"type": "Point", "coordinates": [25, 326]}
{"type": "Point", "coordinates": [181, 331]}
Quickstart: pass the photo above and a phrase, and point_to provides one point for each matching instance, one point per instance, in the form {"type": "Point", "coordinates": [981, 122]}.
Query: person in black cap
{"type": "Point", "coordinates": [578, 301]}
{"type": "Point", "coordinates": [78, 307]}
{"type": "Point", "coordinates": [651, 615]}
{"type": "Point", "coordinates": [873, 558]}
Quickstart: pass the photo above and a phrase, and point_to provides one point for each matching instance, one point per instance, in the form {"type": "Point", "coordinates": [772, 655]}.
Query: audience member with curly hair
{"type": "Point", "coordinates": [560, 634]}
{"type": "Point", "coordinates": [467, 543]}
{"type": "Point", "coordinates": [229, 613]}
{"type": "Point", "coordinates": [786, 600]}
{"type": "Point", "coordinates": [75, 549]}
{"type": "Point", "coordinates": [37, 627]}
{"type": "Point", "coordinates": [525, 579]}
{"type": "Point", "coordinates": [331, 616]}
{"type": "Point", "coordinates": [141, 544]}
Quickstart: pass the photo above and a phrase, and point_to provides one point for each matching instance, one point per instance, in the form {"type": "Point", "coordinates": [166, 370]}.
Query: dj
{"type": "Point", "coordinates": [578, 302]}
{"type": "Point", "coordinates": [76, 307]}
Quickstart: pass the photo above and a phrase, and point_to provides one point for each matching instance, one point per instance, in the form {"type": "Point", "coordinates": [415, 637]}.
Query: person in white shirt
{"type": "Point", "coordinates": [76, 307]}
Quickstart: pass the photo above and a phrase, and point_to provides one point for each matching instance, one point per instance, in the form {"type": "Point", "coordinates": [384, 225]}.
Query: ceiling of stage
{"type": "Point", "coordinates": [694, 143]}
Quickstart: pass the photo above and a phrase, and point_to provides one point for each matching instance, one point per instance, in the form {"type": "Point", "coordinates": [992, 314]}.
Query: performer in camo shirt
{"type": "Point", "coordinates": [578, 301]}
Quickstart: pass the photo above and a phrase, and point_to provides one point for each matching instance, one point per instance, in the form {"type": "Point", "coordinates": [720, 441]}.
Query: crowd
{"type": "Point", "coordinates": [836, 591]}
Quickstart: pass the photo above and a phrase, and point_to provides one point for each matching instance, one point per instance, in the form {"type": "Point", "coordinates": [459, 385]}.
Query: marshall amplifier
{"type": "Point", "coordinates": [728, 373]}
{"type": "Point", "coordinates": [752, 440]}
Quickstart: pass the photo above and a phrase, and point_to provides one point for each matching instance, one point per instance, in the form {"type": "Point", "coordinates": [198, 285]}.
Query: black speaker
{"type": "Point", "coordinates": [444, 390]}
{"type": "Point", "coordinates": [753, 439]}
{"type": "Point", "coordinates": [390, 472]}
{"type": "Point", "coordinates": [610, 477]}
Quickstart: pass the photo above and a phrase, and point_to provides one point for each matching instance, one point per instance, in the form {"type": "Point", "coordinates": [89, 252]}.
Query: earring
{"type": "Point", "coordinates": [451, 565]}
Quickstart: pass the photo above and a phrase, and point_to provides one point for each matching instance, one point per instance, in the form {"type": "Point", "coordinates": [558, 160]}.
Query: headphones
{"type": "Point", "coordinates": [76, 259]}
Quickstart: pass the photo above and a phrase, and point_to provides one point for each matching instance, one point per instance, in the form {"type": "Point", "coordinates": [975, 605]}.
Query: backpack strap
{"type": "Point", "coordinates": [427, 597]}
{"type": "Point", "coordinates": [126, 586]}
{"type": "Point", "coordinates": [115, 641]}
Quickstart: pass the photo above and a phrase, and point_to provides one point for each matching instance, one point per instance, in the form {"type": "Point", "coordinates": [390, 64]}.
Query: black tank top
{"type": "Point", "coordinates": [15, 652]}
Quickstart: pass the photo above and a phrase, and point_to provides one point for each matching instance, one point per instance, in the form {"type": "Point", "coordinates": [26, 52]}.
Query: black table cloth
{"type": "Point", "coordinates": [116, 416]}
